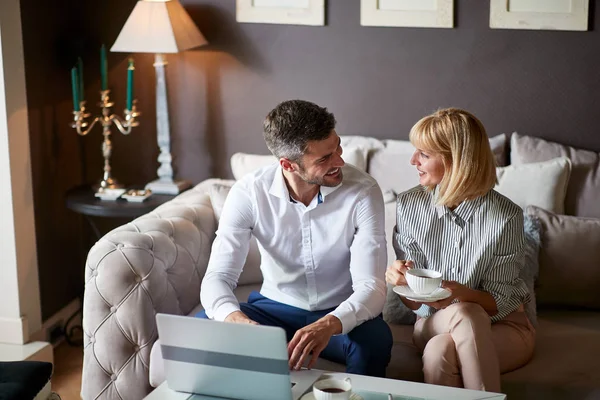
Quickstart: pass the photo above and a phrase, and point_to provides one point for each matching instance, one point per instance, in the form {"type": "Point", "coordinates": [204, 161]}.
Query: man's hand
{"type": "Point", "coordinates": [395, 272]}
{"type": "Point", "coordinates": [239, 317]}
{"type": "Point", "coordinates": [311, 340]}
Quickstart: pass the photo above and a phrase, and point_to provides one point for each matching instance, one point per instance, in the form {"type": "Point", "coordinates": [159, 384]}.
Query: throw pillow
{"type": "Point", "coordinates": [391, 167]}
{"type": "Point", "coordinates": [583, 190]}
{"type": "Point", "coordinates": [569, 260]}
{"type": "Point", "coordinates": [541, 184]}
{"type": "Point", "coordinates": [499, 145]}
{"type": "Point", "coordinates": [365, 143]}
{"type": "Point", "coordinates": [242, 163]}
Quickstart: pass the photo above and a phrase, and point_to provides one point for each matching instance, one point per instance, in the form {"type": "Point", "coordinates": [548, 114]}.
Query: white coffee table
{"type": "Point", "coordinates": [400, 389]}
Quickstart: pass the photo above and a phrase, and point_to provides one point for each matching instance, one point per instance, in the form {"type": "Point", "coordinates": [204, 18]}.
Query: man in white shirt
{"type": "Point", "coordinates": [319, 225]}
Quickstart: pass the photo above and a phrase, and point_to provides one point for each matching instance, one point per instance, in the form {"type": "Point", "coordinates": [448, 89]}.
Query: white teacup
{"type": "Point", "coordinates": [423, 281]}
{"type": "Point", "coordinates": [332, 389]}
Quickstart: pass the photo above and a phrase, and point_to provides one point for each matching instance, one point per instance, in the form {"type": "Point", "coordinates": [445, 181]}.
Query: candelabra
{"type": "Point", "coordinates": [106, 120]}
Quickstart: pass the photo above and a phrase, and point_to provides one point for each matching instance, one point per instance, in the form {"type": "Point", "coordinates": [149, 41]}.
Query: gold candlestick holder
{"type": "Point", "coordinates": [124, 125]}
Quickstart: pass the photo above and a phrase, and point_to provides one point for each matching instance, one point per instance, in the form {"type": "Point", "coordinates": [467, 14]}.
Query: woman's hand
{"type": "Point", "coordinates": [395, 272]}
{"type": "Point", "coordinates": [457, 290]}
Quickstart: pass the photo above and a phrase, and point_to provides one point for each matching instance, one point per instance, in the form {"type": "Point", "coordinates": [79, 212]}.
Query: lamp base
{"type": "Point", "coordinates": [168, 187]}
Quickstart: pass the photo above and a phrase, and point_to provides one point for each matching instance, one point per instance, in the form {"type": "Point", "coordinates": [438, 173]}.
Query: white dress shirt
{"type": "Point", "coordinates": [331, 253]}
{"type": "Point", "coordinates": [481, 244]}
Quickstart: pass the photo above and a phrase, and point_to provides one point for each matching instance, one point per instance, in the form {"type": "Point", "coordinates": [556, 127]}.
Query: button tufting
{"type": "Point", "coordinates": [92, 340]}
{"type": "Point", "coordinates": [113, 309]}
{"type": "Point", "coordinates": [113, 377]}
{"type": "Point", "coordinates": [136, 348]}
{"type": "Point", "coordinates": [138, 279]}
{"type": "Point", "coordinates": [120, 246]}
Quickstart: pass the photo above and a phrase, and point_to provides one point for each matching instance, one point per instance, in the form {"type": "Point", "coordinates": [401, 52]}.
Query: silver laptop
{"type": "Point", "coordinates": [226, 360]}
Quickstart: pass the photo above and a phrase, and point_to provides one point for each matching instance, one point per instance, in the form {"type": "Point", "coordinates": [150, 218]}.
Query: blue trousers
{"type": "Point", "coordinates": [366, 350]}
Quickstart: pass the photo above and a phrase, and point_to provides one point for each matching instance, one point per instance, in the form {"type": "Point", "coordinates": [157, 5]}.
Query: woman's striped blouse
{"type": "Point", "coordinates": [480, 244]}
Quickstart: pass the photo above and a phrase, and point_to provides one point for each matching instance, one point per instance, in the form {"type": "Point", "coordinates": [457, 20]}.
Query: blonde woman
{"type": "Point", "coordinates": [455, 223]}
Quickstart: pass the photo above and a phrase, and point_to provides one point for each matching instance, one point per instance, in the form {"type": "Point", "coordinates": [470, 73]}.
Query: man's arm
{"type": "Point", "coordinates": [227, 257]}
{"type": "Point", "coordinates": [368, 261]}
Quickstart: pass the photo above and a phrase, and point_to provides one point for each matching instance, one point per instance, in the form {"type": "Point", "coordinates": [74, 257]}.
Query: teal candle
{"type": "Point", "coordinates": [103, 68]}
{"type": "Point", "coordinates": [80, 72]}
{"type": "Point", "coordinates": [130, 70]}
{"type": "Point", "coordinates": [75, 88]}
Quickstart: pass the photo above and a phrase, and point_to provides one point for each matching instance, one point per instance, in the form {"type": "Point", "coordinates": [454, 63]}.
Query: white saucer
{"type": "Point", "coordinates": [311, 396]}
{"type": "Point", "coordinates": [109, 194]}
{"type": "Point", "coordinates": [437, 294]}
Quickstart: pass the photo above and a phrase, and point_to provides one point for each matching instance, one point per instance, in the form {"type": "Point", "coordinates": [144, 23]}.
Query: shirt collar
{"type": "Point", "coordinates": [464, 210]}
{"type": "Point", "coordinates": [279, 188]}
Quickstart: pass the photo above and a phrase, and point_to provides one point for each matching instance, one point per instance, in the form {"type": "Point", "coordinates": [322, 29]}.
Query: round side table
{"type": "Point", "coordinates": [81, 199]}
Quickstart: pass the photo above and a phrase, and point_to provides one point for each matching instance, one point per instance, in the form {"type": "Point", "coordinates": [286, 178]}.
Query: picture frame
{"type": "Point", "coordinates": [407, 13]}
{"type": "Point", "coordinates": [564, 15]}
{"type": "Point", "coordinates": [292, 12]}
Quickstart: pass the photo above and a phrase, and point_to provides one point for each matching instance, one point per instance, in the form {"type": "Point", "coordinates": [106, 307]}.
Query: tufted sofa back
{"type": "Point", "coordinates": [153, 264]}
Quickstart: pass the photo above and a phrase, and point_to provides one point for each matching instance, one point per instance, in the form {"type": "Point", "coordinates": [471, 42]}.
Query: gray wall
{"type": "Point", "coordinates": [377, 81]}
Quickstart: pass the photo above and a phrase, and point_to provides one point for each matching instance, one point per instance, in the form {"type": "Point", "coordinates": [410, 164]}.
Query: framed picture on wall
{"type": "Point", "coordinates": [407, 13]}
{"type": "Point", "coordinates": [564, 15]}
{"type": "Point", "coordinates": [294, 12]}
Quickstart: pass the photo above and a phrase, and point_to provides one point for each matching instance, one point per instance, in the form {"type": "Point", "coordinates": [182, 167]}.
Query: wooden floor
{"type": "Point", "coordinates": [66, 380]}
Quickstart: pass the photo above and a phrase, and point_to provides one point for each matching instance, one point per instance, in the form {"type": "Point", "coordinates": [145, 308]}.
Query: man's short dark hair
{"type": "Point", "coordinates": [292, 124]}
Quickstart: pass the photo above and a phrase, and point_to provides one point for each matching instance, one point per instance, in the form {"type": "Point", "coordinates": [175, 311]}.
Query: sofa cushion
{"type": "Point", "coordinates": [390, 165]}
{"type": "Point", "coordinates": [251, 272]}
{"type": "Point", "coordinates": [542, 184]}
{"type": "Point", "coordinates": [499, 145]}
{"type": "Point", "coordinates": [243, 163]}
{"type": "Point", "coordinates": [569, 260]}
{"type": "Point", "coordinates": [365, 143]}
{"type": "Point", "coordinates": [583, 191]}
{"type": "Point", "coordinates": [565, 364]}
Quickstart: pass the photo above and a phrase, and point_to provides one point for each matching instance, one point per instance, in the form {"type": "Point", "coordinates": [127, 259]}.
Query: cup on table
{"type": "Point", "coordinates": [423, 281]}
{"type": "Point", "coordinates": [332, 389]}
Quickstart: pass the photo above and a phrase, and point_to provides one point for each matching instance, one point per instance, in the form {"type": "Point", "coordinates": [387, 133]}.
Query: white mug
{"type": "Point", "coordinates": [423, 281]}
{"type": "Point", "coordinates": [332, 389]}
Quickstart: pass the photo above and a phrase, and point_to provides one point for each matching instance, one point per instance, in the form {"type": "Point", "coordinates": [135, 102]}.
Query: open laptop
{"type": "Point", "coordinates": [216, 360]}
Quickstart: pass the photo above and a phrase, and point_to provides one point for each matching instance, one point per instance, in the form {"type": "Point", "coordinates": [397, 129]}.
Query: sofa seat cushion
{"type": "Point", "coordinates": [565, 364]}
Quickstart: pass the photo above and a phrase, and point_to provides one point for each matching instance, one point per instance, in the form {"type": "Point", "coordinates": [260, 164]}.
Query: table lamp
{"type": "Point", "coordinates": [159, 27]}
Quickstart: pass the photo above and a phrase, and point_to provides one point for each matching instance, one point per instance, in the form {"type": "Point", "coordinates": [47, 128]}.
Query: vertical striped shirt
{"type": "Point", "coordinates": [480, 244]}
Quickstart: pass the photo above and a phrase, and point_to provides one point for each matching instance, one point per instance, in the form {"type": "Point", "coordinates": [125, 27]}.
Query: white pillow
{"type": "Point", "coordinates": [242, 163]}
{"type": "Point", "coordinates": [542, 184]}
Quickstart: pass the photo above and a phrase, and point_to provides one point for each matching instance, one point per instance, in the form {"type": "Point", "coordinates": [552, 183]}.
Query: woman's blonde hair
{"type": "Point", "coordinates": [460, 138]}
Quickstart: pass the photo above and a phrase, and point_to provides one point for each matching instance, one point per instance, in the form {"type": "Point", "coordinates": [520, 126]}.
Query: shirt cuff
{"type": "Point", "coordinates": [348, 320]}
{"type": "Point", "coordinates": [224, 310]}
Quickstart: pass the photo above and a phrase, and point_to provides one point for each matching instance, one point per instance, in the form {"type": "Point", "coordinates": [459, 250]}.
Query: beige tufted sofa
{"type": "Point", "coordinates": [153, 264]}
{"type": "Point", "coordinates": [156, 263]}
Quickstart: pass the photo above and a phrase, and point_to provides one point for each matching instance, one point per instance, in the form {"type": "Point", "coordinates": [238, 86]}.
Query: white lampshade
{"type": "Point", "coordinates": [158, 26]}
